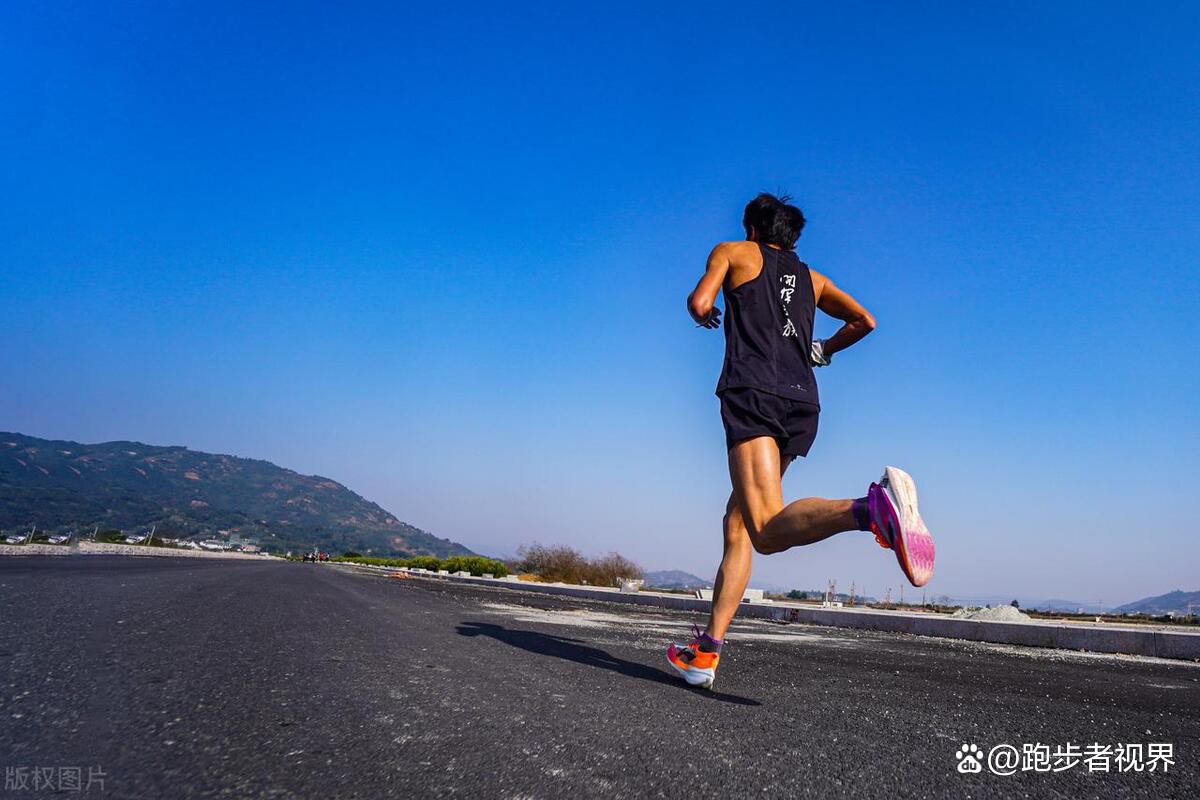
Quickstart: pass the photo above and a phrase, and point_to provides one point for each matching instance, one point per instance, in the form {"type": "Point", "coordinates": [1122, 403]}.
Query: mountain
{"type": "Point", "coordinates": [1176, 602]}
{"type": "Point", "coordinates": [1025, 602]}
{"type": "Point", "coordinates": [66, 485]}
{"type": "Point", "coordinates": [1069, 606]}
{"type": "Point", "coordinates": [678, 579]}
{"type": "Point", "coordinates": [675, 579]}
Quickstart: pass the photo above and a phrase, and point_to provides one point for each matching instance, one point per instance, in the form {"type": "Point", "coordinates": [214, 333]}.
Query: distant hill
{"type": "Point", "coordinates": [675, 579]}
{"type": "Point", "coordinates": [1176, 602]}
{"type": "Point", "coordinates": [60, 485]}
{"type": "Point", "coordinates": [1069, 606]}
{"type": "Point", "coordinates": [678, 579]}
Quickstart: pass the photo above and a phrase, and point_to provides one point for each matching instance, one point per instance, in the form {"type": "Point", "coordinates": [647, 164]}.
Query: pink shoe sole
{"type": "Point", "coordinates": [898, 525]}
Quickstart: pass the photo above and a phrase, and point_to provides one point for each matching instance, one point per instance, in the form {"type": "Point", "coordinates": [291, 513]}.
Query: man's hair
{"type": "Point", "coordinates": [774, 220]}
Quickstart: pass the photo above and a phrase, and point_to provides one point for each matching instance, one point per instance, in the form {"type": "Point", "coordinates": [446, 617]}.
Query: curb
{"type": "Point", "coordinates": [112, 549]}
{"type": "Point", "coordinates": [1099, 638]}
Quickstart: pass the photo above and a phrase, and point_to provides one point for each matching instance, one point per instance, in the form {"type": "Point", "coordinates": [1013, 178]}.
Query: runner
{"type": "Point", "coordinates": [770, 408]}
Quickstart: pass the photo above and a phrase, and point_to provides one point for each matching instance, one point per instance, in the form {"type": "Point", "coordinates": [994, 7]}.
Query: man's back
{"type": "Point", "coordinates": [768, 324]}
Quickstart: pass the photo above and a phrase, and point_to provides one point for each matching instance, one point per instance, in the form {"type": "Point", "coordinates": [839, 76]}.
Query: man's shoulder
{"type": "Point", "coordinates": [738, 250]}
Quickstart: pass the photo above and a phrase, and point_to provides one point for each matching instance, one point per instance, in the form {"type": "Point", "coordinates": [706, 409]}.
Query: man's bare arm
{"type": "Point", "coordinates": [839, 305]}
{"type": "Point", "coordinates": [700, 301]}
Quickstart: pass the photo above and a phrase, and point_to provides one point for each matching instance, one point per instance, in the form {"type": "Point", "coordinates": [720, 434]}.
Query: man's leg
{"type": "Point", "coordinates": [732, 575]}
{"type": "Point", "coordinates": [754, 467]}
{"type": "Point", "coordinates": [734, 572]}
{"type": "Point", "coordinates": [756, 513]}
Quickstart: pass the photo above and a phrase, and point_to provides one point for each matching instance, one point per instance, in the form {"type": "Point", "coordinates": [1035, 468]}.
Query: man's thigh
{"type": "Point", "coordinates": [756, 470]}
{"type": "Point", "coordinates": [735, 527]}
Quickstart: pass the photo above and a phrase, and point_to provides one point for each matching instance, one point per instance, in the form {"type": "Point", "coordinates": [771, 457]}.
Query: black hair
{"type": "Point", "coordinates": [774, 220]}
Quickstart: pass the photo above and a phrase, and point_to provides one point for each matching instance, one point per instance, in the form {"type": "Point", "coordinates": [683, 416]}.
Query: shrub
{"type": "Point", "coordinates": [425, 562]}
{"type": "Point", "coordinates": [374, 561]}
{"type": "Point", "coordinates": [568, 565]}
{"type": "Point", "coordinates": [559, 563]}
{"type": "Point", "coordinates": [610, 569]}
{"type": "Point", "coordinates": [476, 565]}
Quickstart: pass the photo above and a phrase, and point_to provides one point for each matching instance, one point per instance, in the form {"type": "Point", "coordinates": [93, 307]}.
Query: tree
{"type": "Point", "coordinates": [1015, 604]}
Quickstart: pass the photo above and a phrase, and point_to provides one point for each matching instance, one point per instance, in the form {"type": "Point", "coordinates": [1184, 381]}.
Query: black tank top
{"type": "Point", "coordinates": [768, 330]}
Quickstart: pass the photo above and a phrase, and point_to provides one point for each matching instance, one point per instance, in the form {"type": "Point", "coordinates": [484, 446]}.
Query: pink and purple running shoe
{"type": "Point", "coordinates": [898, 526]}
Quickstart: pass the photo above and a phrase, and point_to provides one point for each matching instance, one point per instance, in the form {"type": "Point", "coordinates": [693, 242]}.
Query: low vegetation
{"type": "Point", "coordinates": [534, 562]}
{"type": "Point", "coordinates": [567, 565]}
{"type": "Point", "coordinates": [476, 565]}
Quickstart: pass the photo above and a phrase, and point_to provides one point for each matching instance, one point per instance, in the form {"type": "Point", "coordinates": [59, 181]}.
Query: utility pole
{"type": "Point", "coordinates": [851, 593]}
{"type": "Point", "coordinates": [902, 594]}
{"type": "Point", "coordinates": [888, 600]}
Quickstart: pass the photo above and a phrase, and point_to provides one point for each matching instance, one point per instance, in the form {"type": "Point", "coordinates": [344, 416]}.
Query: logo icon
{"type": "Point", "coordinates": [969, 756]}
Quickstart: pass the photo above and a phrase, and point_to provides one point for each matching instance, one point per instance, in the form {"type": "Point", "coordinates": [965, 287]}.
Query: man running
{"type": "Point", "coordinates": [769, 406]}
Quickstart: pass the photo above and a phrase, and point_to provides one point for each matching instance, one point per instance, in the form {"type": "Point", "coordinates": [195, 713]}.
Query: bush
{"type": "Point", "coordinates": [610, 569]}
{"type": "Point", "coordinates": [568, 565]}
{"type": "Point", "coordinates": [476, 565]}
{"type": "Point", "coordinates": [560, 563]}
{"type": "Point", "coordinates": [374, 561]}
{"type": "Point", "coordinates": [425, 562]}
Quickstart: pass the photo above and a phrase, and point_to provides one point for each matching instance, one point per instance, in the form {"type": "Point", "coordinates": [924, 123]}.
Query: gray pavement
{"type": "Point", "coordinates": [182, 678]}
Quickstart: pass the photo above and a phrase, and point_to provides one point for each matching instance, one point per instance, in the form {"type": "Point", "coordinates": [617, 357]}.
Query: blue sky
{"type": "Point", "coordinates": [440, 255]}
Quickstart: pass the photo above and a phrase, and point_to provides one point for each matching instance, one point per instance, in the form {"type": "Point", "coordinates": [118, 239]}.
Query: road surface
{"type": "Point", "coordinates": [189, 678]}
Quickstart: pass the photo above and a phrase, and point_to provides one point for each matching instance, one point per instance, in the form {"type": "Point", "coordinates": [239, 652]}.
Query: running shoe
{"type": "Point", "coordinates": [693, 664]}
{"type": "Point", "coordinates": [898, 526]}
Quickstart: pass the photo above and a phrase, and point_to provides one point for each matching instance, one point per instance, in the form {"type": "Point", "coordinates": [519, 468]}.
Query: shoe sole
{"type": "Point", "coordinates": [913, 543]}
{"type": "Point", "coordinates": [701, 678]}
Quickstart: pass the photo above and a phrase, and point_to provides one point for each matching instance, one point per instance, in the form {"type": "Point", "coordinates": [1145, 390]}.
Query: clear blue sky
{"type": "Point", "coordinates": [440, 254]}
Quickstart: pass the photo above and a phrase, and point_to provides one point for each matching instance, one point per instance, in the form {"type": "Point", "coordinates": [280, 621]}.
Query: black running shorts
{"type": "Point", "coordinates": [748, 413]}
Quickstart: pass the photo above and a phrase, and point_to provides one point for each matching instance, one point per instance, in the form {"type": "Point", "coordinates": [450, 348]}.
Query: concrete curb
{"type": "Point", "coordinates": [109, 549]}
{"type": "Point", "coordinates": [1097, 638]}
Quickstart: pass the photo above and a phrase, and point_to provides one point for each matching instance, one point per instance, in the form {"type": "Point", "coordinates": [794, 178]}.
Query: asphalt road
{"type": "Point", "coordinates": [196, 678]}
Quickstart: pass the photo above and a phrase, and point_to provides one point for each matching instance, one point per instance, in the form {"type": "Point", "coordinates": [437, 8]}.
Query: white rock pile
{"type": "Point", "coordinates": [992, 614]}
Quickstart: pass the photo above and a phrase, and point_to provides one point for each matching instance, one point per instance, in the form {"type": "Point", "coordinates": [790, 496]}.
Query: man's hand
{"type": "Point", "coordinates": [818, 356]}
{"type": "Point", "coordinates": [713, 320]}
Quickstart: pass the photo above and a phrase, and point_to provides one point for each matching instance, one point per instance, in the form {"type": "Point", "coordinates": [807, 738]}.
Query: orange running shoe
{"type": "Point", "coordinates": [694, 665]}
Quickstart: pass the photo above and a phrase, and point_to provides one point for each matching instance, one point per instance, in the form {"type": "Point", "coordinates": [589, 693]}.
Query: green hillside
{"type": "Point", "coordinates": [60, 485]}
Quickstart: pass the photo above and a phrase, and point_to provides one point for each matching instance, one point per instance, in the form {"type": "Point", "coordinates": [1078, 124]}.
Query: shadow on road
{"type": "Point", "coordinates": [545, 644]}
